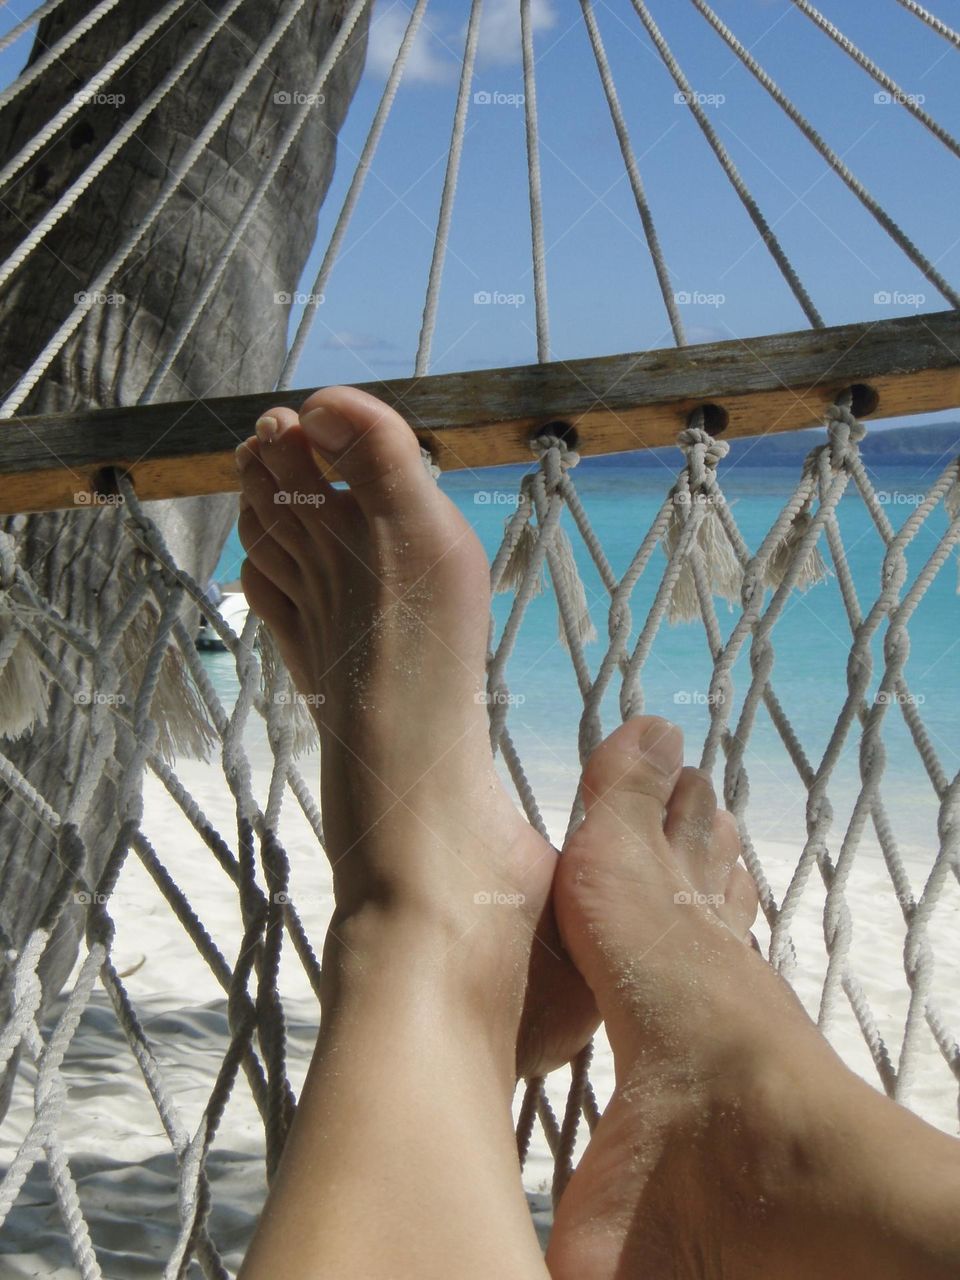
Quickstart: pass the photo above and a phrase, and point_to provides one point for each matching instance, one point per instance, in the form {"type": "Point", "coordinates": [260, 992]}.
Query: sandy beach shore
{"type": "Point", "coordinates": [119, 1153]}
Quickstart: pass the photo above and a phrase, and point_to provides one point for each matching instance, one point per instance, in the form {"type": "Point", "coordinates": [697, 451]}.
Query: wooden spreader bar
{"type": "Point", "coordinates": [480, 419]}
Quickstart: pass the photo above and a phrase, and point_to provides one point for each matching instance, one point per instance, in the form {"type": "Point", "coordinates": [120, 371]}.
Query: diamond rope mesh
{"type": "Point", "coordinates": [706, 560]}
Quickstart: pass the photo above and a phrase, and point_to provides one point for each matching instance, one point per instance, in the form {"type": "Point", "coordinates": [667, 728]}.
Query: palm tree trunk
{"type": "Point", "coordinates": [83, 561]}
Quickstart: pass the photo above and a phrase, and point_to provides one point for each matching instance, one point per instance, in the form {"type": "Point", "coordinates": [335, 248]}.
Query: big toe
{"type": "Point", "coordinates": [630, 777]}
{"type": "Point", "coordinates": [618, 874]}
{"type": "Point", "coordinates": [371, 447]}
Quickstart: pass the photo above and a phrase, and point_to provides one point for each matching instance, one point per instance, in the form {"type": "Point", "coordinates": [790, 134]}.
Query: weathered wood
{"type": "Point", "coordinates": [776, 383]}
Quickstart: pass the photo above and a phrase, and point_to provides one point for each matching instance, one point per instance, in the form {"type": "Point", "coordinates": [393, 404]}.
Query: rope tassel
{"type": "Point", "coordinates": [521, 531]}
{"type": "Point", "coordinates": [276, 684]}
{"type": "Point", "coordinates": [23, 689]}
{"type": "Point", "coordinates": [811, 571]}
{"type": "Point", "coordinates": [568, 587]}
{"type": "Point", "coordinates": [696, 489]}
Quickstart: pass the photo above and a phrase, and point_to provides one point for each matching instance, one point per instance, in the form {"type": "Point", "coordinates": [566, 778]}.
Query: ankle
{"type": "Point", "coordinates": [415, 956]}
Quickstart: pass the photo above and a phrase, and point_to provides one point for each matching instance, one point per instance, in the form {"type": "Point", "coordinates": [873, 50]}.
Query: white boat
{"type": "Point", "coordinates": [234, 609]}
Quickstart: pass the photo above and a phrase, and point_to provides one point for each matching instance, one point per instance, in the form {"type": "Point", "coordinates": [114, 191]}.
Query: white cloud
{"type": "Point", "coordinates": [438, 47]}
{"type": "Point", "coordinates": [345, 340]}
{"type": "Point", "coordinates": [428, 62]}
{"type": "Point", "coordinates": [500, 28]}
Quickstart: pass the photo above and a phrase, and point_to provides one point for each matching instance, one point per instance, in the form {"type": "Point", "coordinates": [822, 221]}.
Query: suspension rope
{"type": "Point", "coordinates": [441, 238]}
{"type": "Point", "coordinates": [374, 135]}
{"type": "Point", "coordinates": [533, 173]}
{"type": "Point", "coordinates": [104, 277]}
{"type": "Point", "coordinates": [91, 88]}
{"type": "Point", "coordinates": [749, 203]}
{"type": "Point", "coordinates": [906, 100]}
{"type": "Point", "coordinates": [896, 233]}
{"type": "Point", "coordinates": [931, 20]}
{"type": "Point", "coordinates": [29, 21]}
{"type": "Point", "coordinates": [287, 139]}
{"type": "Point", "coordinates": [56, 51]}
{"type": "Point", "coordinates": [633, 172]}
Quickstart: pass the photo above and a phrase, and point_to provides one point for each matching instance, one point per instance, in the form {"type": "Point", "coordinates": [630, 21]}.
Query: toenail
{"type": "Point", "coordinates": [328, 431]}
{"type": "Point", "coordinates": [243, 455]}
{"type": "Point", "coordinates": [661, 745]}
{"type": "Point", "coordinates": [267, 429]}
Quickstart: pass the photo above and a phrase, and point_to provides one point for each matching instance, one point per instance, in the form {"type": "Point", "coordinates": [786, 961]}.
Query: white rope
{"type": "Point", "coordinates": [454, 153]}
{"type": "Point", "coordinates": [287, 139]}
{"type": "Point", "coordinates": [374, 135]}
{"type": "Point", "coordinates": [533, 174]}
{"type": "Point", "coordinates": [101, 282]}
{"type": "Point", "coordinates": [545, 496]}
{"type": "Point", "coordinates": [766, 233]}
{"type": "Point", "coordinates": [633, 172]}
{"type": "Point", "coordinates": [931, 20]}
{"type": "Point", "coordinates": [29, 21]}
{"type": "Point", "coordinates": [56, 51]}
{"type": "Point", "coordinates": [906, 100]}
{"type": "Point", "coordinates": [92, 87]}
{"type": "Point", "coordinates": [920, 261]}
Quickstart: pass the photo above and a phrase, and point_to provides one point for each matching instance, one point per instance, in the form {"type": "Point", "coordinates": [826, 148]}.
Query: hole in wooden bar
{"type": "Point", "coordinates": [715, 418]}
{"type": "Point", "coordinates": [104, 489]}
{"type": "Point", "coordinates": [564, 431]}
{"type": "Point", "coordinates": [863, 400]}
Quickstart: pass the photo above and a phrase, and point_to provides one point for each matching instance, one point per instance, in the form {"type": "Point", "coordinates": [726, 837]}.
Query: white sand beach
{"type": "Point", "coordinates": [116, 1144]}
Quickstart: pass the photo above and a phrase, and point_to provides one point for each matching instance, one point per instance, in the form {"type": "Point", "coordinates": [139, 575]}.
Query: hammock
{"type": "Point", "coordinates": [693, 567]}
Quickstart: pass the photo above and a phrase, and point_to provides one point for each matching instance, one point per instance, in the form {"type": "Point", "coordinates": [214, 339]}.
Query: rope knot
{"type": "Point", "coordinates": [845, 433]}
{"type": "Point", "coordinates": [702, 450]}
{"type": "Point", "coordinates": [541, 446]}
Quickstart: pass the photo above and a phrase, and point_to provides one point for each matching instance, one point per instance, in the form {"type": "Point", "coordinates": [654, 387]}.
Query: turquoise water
{"type": "Point", "coordinates": [812, 641]}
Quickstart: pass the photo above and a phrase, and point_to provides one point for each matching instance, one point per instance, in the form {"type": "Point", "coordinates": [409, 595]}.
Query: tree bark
{"type": "Point", "coordinates": [83, 560]}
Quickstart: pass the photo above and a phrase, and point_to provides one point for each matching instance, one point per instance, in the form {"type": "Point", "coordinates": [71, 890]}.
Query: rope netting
{"type": "Point", "coordinates": [706, 561]}
{"type": "Point", "coordinates": [693, 620]}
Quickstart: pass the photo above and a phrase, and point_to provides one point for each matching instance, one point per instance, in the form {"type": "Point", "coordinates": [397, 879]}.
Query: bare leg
{"type": "Point", "coordinates": [736, 1143]}
{"type": "Point", "coordinates": [443, 970]}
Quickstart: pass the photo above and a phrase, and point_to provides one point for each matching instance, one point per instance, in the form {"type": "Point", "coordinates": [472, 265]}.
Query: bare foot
{"type": "Point", "coordinates": [736, 1143]}
{"type": "Point", "coordinates": [379, 600]}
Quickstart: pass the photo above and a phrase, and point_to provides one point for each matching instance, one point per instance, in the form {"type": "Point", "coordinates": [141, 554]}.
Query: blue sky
{"type": "Point", "coordinates": [602, 289]}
